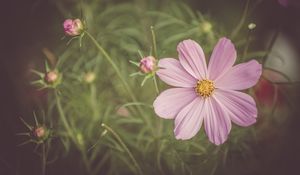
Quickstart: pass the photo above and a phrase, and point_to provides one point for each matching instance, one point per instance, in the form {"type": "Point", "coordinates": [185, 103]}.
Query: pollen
{"type": "Point", "coordinates": [205, 88]}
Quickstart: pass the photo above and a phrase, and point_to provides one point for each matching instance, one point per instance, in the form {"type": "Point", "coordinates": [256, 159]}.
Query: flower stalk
{"type": "Point", "coordinates": [242, 21]}
{"type": "Point", "coordinates": [138, 169]}
{"type": "Point", "coordinates": [124, 82]}
{"type": "Point", "coordinates": [71, 132]}
{"type": "Point", "coordinates": [155, 55]}
{"type": "Point", "coordinates": [109, 59]}
{"type": "Point", "coordinates": [154, 42]}
{"type": "Point", "coordinates": [62, 116]}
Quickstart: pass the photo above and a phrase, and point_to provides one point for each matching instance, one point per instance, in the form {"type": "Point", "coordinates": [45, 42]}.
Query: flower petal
{"type": "Point", "coordinates": [275, 76]}
{"type": "Point", "coordinates": [192, 58]}
{"type": "Point", "coordinates": [216, 121]}
{"type": "Point", "coordinates": [240, 106]}
{"type": "Point", "coordinates": [241, 76]}
{"type": "Point", "coordinates": [168, 104]}
{"type": "Point", "coordinates": [222, 58]}
{"type": "Point", "coordinates": [174, 74]}
{"type": "Point", "coordinates": [189, 120]}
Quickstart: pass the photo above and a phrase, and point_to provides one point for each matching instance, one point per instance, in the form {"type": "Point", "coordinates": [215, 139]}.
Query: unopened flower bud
{"type": "Point", "coordinates": [51, 77]}
{"type": "Point", "coordinates": [148, 64]}
{"type": "Point", "coordinates": [39, 132]}
{"type": "Point", "coordinates": [89, 77]}
{"type": "Point", "coordinates": [73, 27]}
{"type": "Point", "coordinates": [206, 26]}
{"type": "Point", "coordinates": [123, 111]}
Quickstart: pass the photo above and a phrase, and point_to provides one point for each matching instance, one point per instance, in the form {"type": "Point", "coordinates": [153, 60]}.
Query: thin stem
{"type": "Point", "coordinates": [242, 21]}
{"type": "Point", "coordinates": [154, 76]}
{"type": "Point", "coordinates": [70, 131]}
{"type": "Point", "coordinates": [155, 56]}
{"type": "Point", "coordinates": [62, 115]}
{"type": "Point", "coordinates": [154, 42]}
{"type": "Point", "coordinates": [155, 84]}
{"type": "Point", "coordinates": [124, 146]}
{"type": "Point", "coordinates": [136, 104]}
{"type": "Point", "coordinates": [274, 37]}
{"type": "Point", "coordinates": [85, 160]}
{"type": "Point", "coordinates": [94, 100]}
{"type": "Point", "coordinates": [160, 149]}
{"type": "Point", "coordinates": [101, 163]}
{"type": "Point", "coordinates": [247, 44]}
{"type": "Point", "coordinates": [109, 59]}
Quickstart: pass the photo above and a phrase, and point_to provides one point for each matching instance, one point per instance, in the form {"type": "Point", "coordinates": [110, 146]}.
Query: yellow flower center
{"type": "Point", "coordinates": [205, 88]}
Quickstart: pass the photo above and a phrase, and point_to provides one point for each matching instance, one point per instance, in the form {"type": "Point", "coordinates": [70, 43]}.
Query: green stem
{"type": "Point", "coordinates": [101, 163]}
{"type": "Point", "coordinates": [247, 45]}
{"type": "Point", "coordinates": [94, 101]}
{"type": "Point", "coordinates": [154, 42]}
{"type": "Point", "coordinates": [70, 131]}
{"type": "Point", "coordinates": [85, 160]}
{"type": "Point", "coordinates": [242, 21]}
{"type": "Point", "coordinates": [139, 170]}
{"type": "Point", "coordinates": [63, 117]}
{"type": "Point", "coordinates": [160, 149]}
{"type": "Point", "coordinates": [154, 76]}
{"type": "Point", "coordinates": [109, 59]}
{"type": "Point", "coordinates": [272, 42]}
{"type": "Point", "coordinates": [155, 84]}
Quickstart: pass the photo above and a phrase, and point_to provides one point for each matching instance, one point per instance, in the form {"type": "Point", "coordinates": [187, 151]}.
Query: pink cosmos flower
{"type": "Point", "coordinates": [73, 27]}
{"type": "Point", "coordinates": [208, 95]}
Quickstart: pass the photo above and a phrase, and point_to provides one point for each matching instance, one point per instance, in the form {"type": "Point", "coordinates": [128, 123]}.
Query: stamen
{"type": "Point", "coordinates": [205, 88]}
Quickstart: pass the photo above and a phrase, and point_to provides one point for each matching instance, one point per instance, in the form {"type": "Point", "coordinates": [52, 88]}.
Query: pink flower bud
{"type": "Point", "coordinates": [73, 27]}
{"type": "Point", "coordinates": [122, 111]}
{"type": "Point", "coordinates": [39, 132]}
{"type": "Point", "coordinates": [148, 64]}
{"type": "Point", "coordinates": [51, 77]}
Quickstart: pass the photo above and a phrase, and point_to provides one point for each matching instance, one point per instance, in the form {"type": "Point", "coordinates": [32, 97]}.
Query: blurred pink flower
{"type": "Point", "coordinates": [267, 91]}
{"type": "Point", "coordinates": [123, 111]}
{"type": "Point", "coordinates": [73, 27]}
{"type": "Point", "coordinates": [289, 3]}
{"type": "Point", "coordinates": [284, 3]}
{"type": "Point", "coordinates": [207, 94]}
{"type": "Point", "coordinates": [147, 64]}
